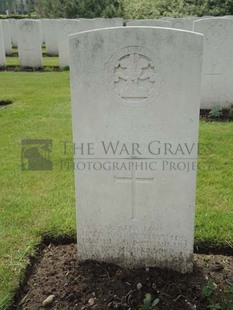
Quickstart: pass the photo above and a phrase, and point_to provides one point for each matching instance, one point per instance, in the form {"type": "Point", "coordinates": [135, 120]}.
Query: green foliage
{"type": "Point", "coordinates": [66, 68]}
{"type": "Point", "coordinates": [148, 303]}
{"type": "Point", "coordinates": [10, 5]}
{"type": "Point", "coordinates": [16, 16]}
{"type": "Point", "coordinates": [218, 299]}
{"type": "Point", "coordinates": [17, 6]}
{"type": "Point", "coordinates": [217, 7]}
{"type": "Point", "coordinates": [48, 69]}
{"type": "Point", "coordinates": [113, 8]}
{"type": "Point", "coordinates": [78, 8]}
{"type": "Point", "coordinates": [140, 9]}
{"type": "Point", "coordinates": [215, 112]}
{"type": "Point", "coordinates": [230, 113]}
{"type": "Point", "coordinates": [176, 8]}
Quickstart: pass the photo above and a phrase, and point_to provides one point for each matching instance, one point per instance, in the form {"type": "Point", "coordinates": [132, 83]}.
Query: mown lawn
{"type": "Point", "coordinates": [47, 61]}
{"type": "Point", "coordinates": [42, 202]}
{"type": "Point", "coordinates": [32, 203]}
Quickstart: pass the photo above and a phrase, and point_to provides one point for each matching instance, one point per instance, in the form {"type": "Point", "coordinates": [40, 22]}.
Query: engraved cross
{"type": "Point", "coordinates": [214, 74]}
{"type": "Point", "coordinates": [133, 180]}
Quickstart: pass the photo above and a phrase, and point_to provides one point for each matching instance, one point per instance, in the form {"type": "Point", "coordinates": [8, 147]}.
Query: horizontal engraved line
{"type": "Point", "coordinates": [127, 158]}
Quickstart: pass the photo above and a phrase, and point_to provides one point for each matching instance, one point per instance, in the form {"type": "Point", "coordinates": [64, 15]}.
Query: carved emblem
{"type": "Point", "coordinates": [133, 76]}
{"type": "Point", "coordinates": [130, 75]}
{"type": "Point", "coordinates": [68, 28]}
{"type": "Point", "coordinates": [27, 28]}
{"type": "Point", "coordinates": [178, 25]}
{"type": "Point", "coordinates": [216, 33]}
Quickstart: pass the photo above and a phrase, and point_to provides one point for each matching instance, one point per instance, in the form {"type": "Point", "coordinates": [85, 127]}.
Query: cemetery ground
{"type": "Point", "coordinates": [40, 205]}
{"type": "Point", "coordinates": [49, 62]}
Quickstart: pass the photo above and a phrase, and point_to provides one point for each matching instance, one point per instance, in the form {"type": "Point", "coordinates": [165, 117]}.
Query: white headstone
{"type": "Point", "coordinates": [13, 31]}
{"type": "Point", "coordinates": [49, 30]}
{"type": "Point", "coordinates": [64, 29]}
{"type": "Point", "coordinates": [42, 30]}
{"type": "Point", "coordinates": [29, 43]}
{"type": "Point", "coordinates": [7, 36]}
{"type": "Point", "coordinates": [2, 49]}
{"type": "Point", "coordinates": [149, 22]}
{"type": "Point", "coordinates": [71, 26]}
{"type": "Point", "coordinates": [139, 89]}
{"type": "Point", "coordinates": [167, 18]}
{"type": "Point", "coordinates": [106, 22]}
{"type": "Point", "coordinates": [183, 23]}
{"type": "Point", "coordinates": [217, 77]}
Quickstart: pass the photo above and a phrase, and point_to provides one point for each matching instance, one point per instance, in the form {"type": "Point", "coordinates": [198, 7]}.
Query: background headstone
{"type": "Point", "coordinates": [13, 31]}
{"type": "Point", "coordinates": [149, 22]}
{"type": "Point", "coordinates": [71, 26]}
{"type": "Point", "coordinates": [136, 84]}
{"type": "Point", "coordinates": [64, 29]}
{"type": "Point", "coordinates": [49, 30]}
{"type": "Point", "coordinates": [217, 76]}
{"type": "Point", "coordinates": [167, 18]}
{"type": "Point", "coordinates": [42, 30]}
{"type": "Point", "coordinates": [183, 23]}
{"type": "Point", "coordinates": [29, 43]}
{"type": "Point", "coordinates": [2, 48]}
{"type": "Point", "coordinates": [106, 22]}
{"type": "Point", "coordinates": [7, 36]}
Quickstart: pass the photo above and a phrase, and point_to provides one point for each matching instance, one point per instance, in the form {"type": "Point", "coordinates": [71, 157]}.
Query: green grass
{"type": "Point", "coordinates": [32, 204]}
{"type": "Point", "coordinates": [214, 214]}
{"type": "Point", "coordinates": [47, 61]}
{"type": "Point", "coordinates": [40, 202]}
{"type": "Point", "coordinates": [15, 50]}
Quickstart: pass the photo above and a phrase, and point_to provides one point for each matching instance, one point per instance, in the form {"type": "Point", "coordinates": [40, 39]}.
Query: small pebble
{"type": "Point", "coordinates": [139, 286]}
{"type": "Point", "coordinates": [91, 301]}
{"type": "Point", "coordinates": [48, 300]}
{"type": "Point", "coordinates": [190, 306]}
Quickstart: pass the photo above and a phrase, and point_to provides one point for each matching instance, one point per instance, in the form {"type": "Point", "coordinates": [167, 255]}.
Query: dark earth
{"type": "Point", "coordinates": [101, 286]}
{"type": "Point", "coordinates": [3, 103]}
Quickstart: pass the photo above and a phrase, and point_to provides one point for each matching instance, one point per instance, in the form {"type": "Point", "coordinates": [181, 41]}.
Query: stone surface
{"type": "Point", "coordinates": [29, 43]}
{"type": "Point", "coordinates": [149, 22]}
{"type": "Point", "coordinates": [48, 301]}
{"type": "Point", "coordinates": [7, 36]}
{"type": "Point", "coordinates": [13, 31]}
{"type": "Point", "coordinates": [139, 89]}
{"type": "Point", "coordinates": [70, 26]}
{"type": "Point", "coordinates": [167, 18]}
{"type": "Point", "coordinates": [49, 30]}
{"type": "Point", "coordinates": [183, 23]}
{"type": "Point", "coordinates": [99, 23]}
{"type": "Point", "coordinates": [217, 76]}
{"type": "Point", "coordinates": [64, 29]}
{"type": "Point", "coordinates": [2, 48]}
{"type": "Point", "coordinates": [42, 30]}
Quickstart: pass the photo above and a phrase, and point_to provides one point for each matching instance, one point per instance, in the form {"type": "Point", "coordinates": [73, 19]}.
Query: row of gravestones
{"type": "Point", "coordinates": [217, 73]}
{"type": "Point", "coordinates": [217, 76]}
{"type": "Point", "coordinates": [28, 35]}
